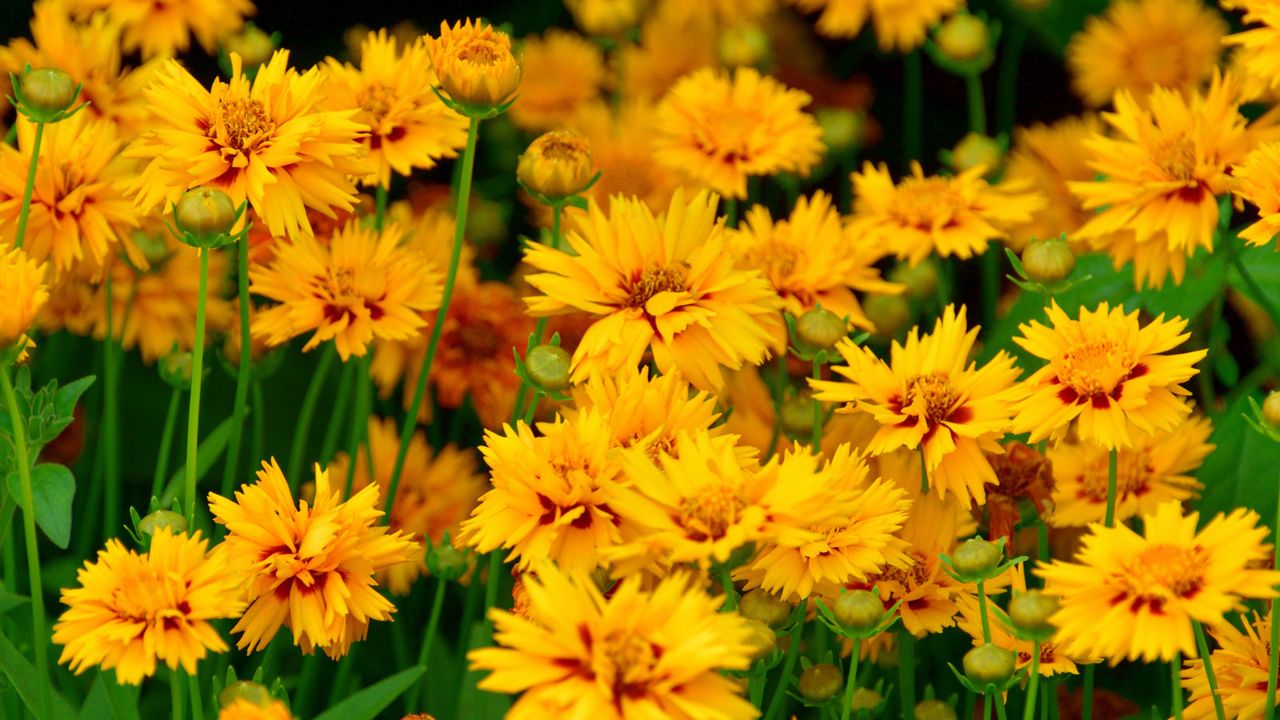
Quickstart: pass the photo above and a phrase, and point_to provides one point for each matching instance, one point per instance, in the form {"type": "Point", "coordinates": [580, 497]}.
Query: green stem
{"type": "Point", "coordinates": [1176, 666]}
{"type": "Point", "coordinates": [982, 612]}
{"type": "Point", "coordinates": [1207, 389]}
{"type": "Point", "coordinates": [460, 228]}
{"type": "Point", "coordinates": [1086, 708]}
{"type": "Point", "coordinates": [330, 442]}
{"type": "Point", "coordinates": [730, 591]}
{"type": "Point", "coordinates": [557, 212]}
{"type": "Point", "coordinates": [533, 407]}
{"type": "Point", "coordinates": [977, 104]}
{"type": "Point", "coordinates": [166, 443]}
{"type": "Point", "coordinates": [379, 207]}
{"type": "Point", "coordinates": [913, 101]}
{"type": "Point", "coordinates": [846, 706]}
{"type": "Point", "coordinates": [491, 582]}
{"type": "Point", "coordinates": [232, 466]}
{"type": "Point", "coordinates": [31, 184]}
{"type": "Point", "coordinates": [258, 421]}
{"type": "Point", "coordinates": [360, 424]}
{"type": "Point", "coordinates": [1203, 646]}
{"type": "Point", "coordinates": [1110, 518]}
{"type": "Point", "coordinates": [177, 702]}
{"type": "Point", "coordinates": [39, 640]}
{"type": "Point", "coordinates": [924, 472]}
{"type": "Point", "coordinates": [991, 274]}
{"type": "Point", "coordinates": [731, 212]}
{"type": "Point", "coordinates": [1007, 90]}
{"type": "Point", "coordinates": [197, 371]}
{"type": "Point", "coordinates": [1254, 288]}
{"type": "Point", "coordinates": [779, 700]}
{"type": "Point", "coordinates": [197, 702]}
{"type": "Point", "coordinates": [305, 415]}
{"type": "Point", "coordinates": [816, 441]}
{"type": "Point", "coordinates": [1033, 680]}
{"type": "Point", "coordinates": [998, 700]}
{"type": "Point", "coordinates": [986, 705]}
{"type": "Point", "coordinates": [907, 674]}
{"type": "Point", "coordinates": [428, 640]}
{"type": "Point", "coordinates": [110, 419]}
{"type": "Point", "coordinates": [1275, 629]}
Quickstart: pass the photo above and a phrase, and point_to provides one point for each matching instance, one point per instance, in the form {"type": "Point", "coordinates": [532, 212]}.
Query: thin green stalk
{"type": "Point", "coordinates": [1033, 680]}
{"type": "Point", "coordinates": [755, 685]}
{"type": "Point", "coordinates": [730, 591]}
{"type": "Point", "coordinates": [1207, 390]}
{"type": "Point", "coordinates": [998, 700]}
{"type": "Point", "coordinates": [197, 371]}
{"type": "Point", "coordinates": [731, 212]}
{"type": "Point", "coordinates": [991, 279]}
{"type": "Point", "coordinates": [846, 705]}
{"type": "Point", "coordinates": [977, 103]}
{"type": "Point", "coordinates": [907, 674]}
{"type": "Point", "coordinates": [1254, 288]}
{"type": "Point", "coordinates": [110, 419]}
{"type": "Point", "coordinates": [1275, 629]}
{"type": "Point", "coordinates": [1110, 518]}
{"type": "Point", "coordinates": [197, 701]}
{"type": "Point", "coordinates": [557, 213]}
{"type": "Point", "coordinates": [532, 409]}
{"type": "Point", "coordinates": [924, 472]}
{"type": "Point", "coordinates": [1086, 708]}
{"type": "Point", "coordinates": [166, 443]}
{"type": "Point", "coordinates": [986, 706]}
{"type": "Point", "coordinates": [307, 685]}
{"type": "Point", "coordinates": [330, 442]}
{"type": "Point", "coordinates": [232, 466]}
{"type": "Point", "coordinates": [39, 639]}
{"type": "Point", "coordinates": [982, 612]}
{"type": "Point", "coordinates": [912, 104]}
{"type": "Point", "coordinates": [437, 328]}
{"type": "Point", "coordinates": [177, 701]}
{"type": "Point", "coordinates": [1203, 646]}
{"type": "Point", "coordinates": [360, 424]}
{"type": "Point", "coordinates": [491, 581]}
{"type": "Point", "coordinates": [31, 184]}
{"type": "Point", "coordinates": [779, 700]}
{"type": "Point", "coordinates": [816, 441]}
{"type": "Point", "coordinates": [1176, 666]}
{"type": "Point", "coordinates": [428, 640]}
{"type": "Point", "coordinates": [305, 415]}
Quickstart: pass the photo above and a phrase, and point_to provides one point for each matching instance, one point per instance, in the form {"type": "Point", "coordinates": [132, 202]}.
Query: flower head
{"type": "Point", "coordinates": [900, 25]}
{"type": "Point", "coordinates": [620, 147]}
{"type": "Point", "coordinates": [677, 39]}
{"type": "Point", "coordinates": [310, 567]}
{"type": "Point", "coordinates": [1258, 181]}
{"type": "Point", "coordinates": [1257, 44]}
{"type": "Point", "coordinates": [164, 28]}
{"type": "Point", "coordinates": [1046, 158]}
{"type": "Point", "coordinates": [721, 128]}
{"type": "Point", "coordinates": [132, 610]}
{"type": "Point", "coordinates": [22, 287]}
{"type": "Point", "coordinates": [556, 164]}
{"type": "Point", "coordinates": [474, 63]}
{"type": "Point", "coordinates": [562, 70]}
{"type": "Point", "coordinates": [1107, 376]}
{"type": "Point", "coordinates": [1134, 596]}
{"type": "Point", "coordinates": [1240, 665]}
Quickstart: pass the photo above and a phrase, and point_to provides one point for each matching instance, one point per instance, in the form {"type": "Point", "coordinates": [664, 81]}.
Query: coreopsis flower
{"type": "Point", "coordinates": [133, 610]}
{"type": "Point", "coordinates": [246, 709]}
{"type": "Point", "coordinates": [1258, 181]}
{"type": "Point", "coordinates": [22, 286]}
{"type": "Point", "coordinates": [437, 491]}
{"type": "Point", "coordinates": [1155, 469]}
{"type": "Point", "coordinates": [620, 143]}
{"type": "Point", "coordinates": [266, 141]}
{"type": "Point", "coordinates": [928, 594]}
{"type": "Point", "coordinates": [309, 567]}
{"type": "Point", "coordinates": [633, 654]}
{"type": "Point", "coordinates": [810, 261]}
{"type": "Point", "coordinates": [360, 286]}
{"type": "Point", "coordinates": [954, 215]}
{"type": "Point", "coordinates": [1257, 44]}
{"type": "Point", "coordinates": [409, 127]}
{"type": "Point", "coordinates": [1023, 476]}
{"type": "Point", "coordinates": [1046, 158]}
{"type": "Point", "coordinates": [662, 284]}
{"type": "Point", "coordinates": [562, 70]}
{"type": "Point", "coordinates": [1164, 169]}
{"type": "Point", "coordinates": [721, 128]}
{"type": "Point", "coordinates": [1107, 376]}
{"type": "Point", "coordinates": [900, 26]}
{"type": "Point", "coordinates": [552, 494]}
{"type": "Point", "coordinates": [1134, 596]}
{"type": "Point", "coordinates": [164, 28]}
{"type": "Point", "coordinates": [79, 207]}
{"type": "Point", "coordinates": [1141, 45]}
{"type": "Point", "coordinates": [474, 63]}
{"type": "Point", "coordinates": [931, 396]}
{"type": "Point", "coordinates": [605, 18]}
{"type": "Point", "coordinates": [556, 165]}
{"type": "Point", "coordinates": [673, 43]}
{"type": "Point", "coordinates": [848, 549]}
{"type": "Point", "coordinates": [1240, 666]}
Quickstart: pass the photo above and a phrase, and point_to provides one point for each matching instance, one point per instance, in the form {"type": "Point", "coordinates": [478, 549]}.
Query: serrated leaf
{"type": "Point", "coordinates": [366, 704]}
{"type": "Point", "coordinates": [52, 489]}
{"type": "Point", "coordinates": [23, 676]}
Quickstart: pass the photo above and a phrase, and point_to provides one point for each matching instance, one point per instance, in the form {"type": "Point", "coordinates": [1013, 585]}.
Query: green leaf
{"type": "Point", "coordinates": [122, 698]}
{"type": "Point", "coordinates": [1263, 264]}
{"type": "Point", "coordinates": [473, 702]}
{"type": "Point", "coordinates": [66, 397]}
{"type": "Point", "coordinates": [207, 454]}
{"type": "Point", "coordinates": [366, 704]}
{"type": "Point", "coordinates": [1204, 280]}
{"type": "Point", "coordinates": [23, 676]}
{"type": "Point", "coordinates": [1240, 471]}
{"type": "Point", "coordinates": [53, 488]}
{"type": "Point", "coordinates": [9, 601]}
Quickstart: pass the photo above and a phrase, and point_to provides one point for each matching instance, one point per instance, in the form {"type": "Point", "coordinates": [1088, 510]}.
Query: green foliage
{"type": "Point", "coordinates": [366, 704]}
{"type": "Point", "coordinates": [52, 489]}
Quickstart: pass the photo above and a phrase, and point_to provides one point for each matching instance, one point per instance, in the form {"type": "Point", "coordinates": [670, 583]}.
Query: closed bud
{"type": "Point", "coordinates": [446, 561]}
{"type": "Point", "coordinates": [153, 523]}
{"type": "Point", "coordinates": [761, 640]}
{"type": "Point", "coordinates": [819, 683]}
{"type": "Point", "coordinates": [744, 45]}
{"type": "Point", "coordinates": [548, 367]}
{"type": "Point", "coordinates": [820, 329]}
{"type": "Point", "coordinates": [252, 44]}
{"type": "Point", "coordinates": [765, 607]}
{"type": "Point", "coordinates": [963, 37]}
{"type": "Point", "coordinates": [1030, 611]}
{"type": "Point", "coordinates": [796, 415]}
{"type": "Point", "coordinates": [46, 92]}
{"type": "Point", "coordinates": [865, 699]}
{"type": "Point", "coordinates": [206, 213]}
{"type": "Point", "coordinates": [175, 369]}
{"type": "Point", "coordinates": [842, 128]}
{"type": "Point", "coordinates": [887, 313]}
{"type": "Point", "coordinates": [1271, 408]}
{"type": "Point", "coordinates": [859, 610]}
{"type": "Point", "coordinates": [1048, 261]}
{"type": "Point", "coordinates": [921, 280]}
{"type": "Point", "coordinates": [988, 664]}
{"type": "Point", "coordinates": [474, 65]}
{"type": "Point", "coordinates": [974, 150]}
{"type": "Point", "coordinates": [933, 709]}
{"type": "Point", "coordinates": [976, 557]}
{"type": "Point", "coordinates": [556, 165]}
{"type": "Point", "coordinates": [253, 692]}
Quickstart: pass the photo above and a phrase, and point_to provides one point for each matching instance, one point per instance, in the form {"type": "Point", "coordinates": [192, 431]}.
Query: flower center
{"type": "Point", "coordinates": [1094, 368]}
{"type": "Point", "coordinates": [1162, 571]}
{"type": "Point", "coordinates": [343, 289]}
{"type": "Point", "coordinates": [776, 258]}
{"type": "Point", "coordinates": [1176, 157]}
{"type": "Point", "coordinates": [667, 278]}
{"type": "Point", "coordinates": [925, 202]}
{"type": "Point", "coordinates": [911, 578]}
{"type": "Point", "coordinates": [708, 514]}
{"type": "Point", "coordinates": [146, 597]}
{"type": "Point", "coordinates": [934, 392]}
{"type": "Point", "coordinates": [480, 51]}
{"type": "Point", "coordinates": [376, 99]}
{"type": "Point", "coordinates": [1133, 474]}
{"type": "Point", "coordinates": [240, 123]}
{"type": "Point", "coordinates": [478, 340]}
{"type": "Point", "coordinates": [626, 662]}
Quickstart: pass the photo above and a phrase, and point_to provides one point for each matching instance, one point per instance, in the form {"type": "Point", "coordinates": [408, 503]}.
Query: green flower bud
{"type": "Point", "coordinates": [865, 699]}
{"type": "Point", "coordinates": [175, 369]}
{"type": "Point", "coordinates": [252, 44]}
{"type": "Point", "coordinates": [963, 37]}
{"type": "Point", "coordinates": [819, 683]}
{"type": "Point", "coordinates": [151, 524]}
{"type": "Point", "coordinates": [548, 366]}
{"type": "Point", "coordinates": [974, 150]}
{"type": "Point", "coordinates": [988, 664]}
{"type": "Point", "coordinates": [1048, 261]}
{"type": "Point", "coordinates": [796, 415]}
{"type": "Point", "coordinates": [446, 561]}
{"type": "Point", "coordinates": [206, 213]}
{"type": "Point", "coordinates": [1271, 408]}
{"type": "Point", "coordinates": [1030, 611]}
{"type": "Point", "coordinates": [921, 279]}
{"type": "Point", "coordinates": [47, 92]}
{"type": "Point", "coordinates": [888, 313]}
{"type": "Point", "coordinates": [976, 557]}
{"type": "Point", "coordinates": [743, 45]}
{"type": "Point", "coordinates": [859, 610]}
{"type": "Point", "coordinates": [934, 710]}
{"type": "Point", "coordinates": [762, 640]}
{"type": "Point", "coordinates": [765, 607]}
{"type": "Point", "coordinates": [820, 329]}
{"type": "Point", "coordinates": [842, 128]}
{"type": "Point", "coordinates": [245, 690]}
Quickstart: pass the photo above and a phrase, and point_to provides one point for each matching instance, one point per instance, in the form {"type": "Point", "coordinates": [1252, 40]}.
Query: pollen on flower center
{"type": "Point", "coordinates": [1176, 157]}
{"type": "Point", "coordinates": [480, 51]}
{"type": "Point", "coordinates": [935, 391]}
{"type": "Point", "coordinates": [915, 576]}
{"type": "Point", "coordinates": [667, 278]}
{"type": "Point", "coordinates": [627, 662]}
{"type": "Point", "coordinates": [1094, 368]}
{"type": "Point", "coordinates": [710, 513]}
{"type": "Point", "coordinates": [376, 99]}
{"type": "Point", "coordinates": [1166, 570]}
{"type": "Point", "coordinates": [1133, 474]}
{"type": "Point", "coordinates": [924, 202]}
{"type": "Point", "coordinates": [240, 123]}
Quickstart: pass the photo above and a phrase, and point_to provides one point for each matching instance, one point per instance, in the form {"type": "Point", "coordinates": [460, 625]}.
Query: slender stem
{"type": "Point", "coordinates": [359, 424]}
{"type": "Point", "coordinates": [197, 702]}
{"type": "Point", "coordinates": [379, 207]}
{"type": "Point", "coordinates": [460, 228]}
{"type": "Point", "coordinates": [1207, 389]}
{"type": "Point", "coordinates": [305, 415]}
{"type": "Point", "coordinates": [178, 704]}
{"type": "Point", "coordinates": [533, 407]}
{"type": "Point", "coordinates": [991, 274]}
{"type": "Point", "coordinates": [907, 674]}
{"type": "Point", "coordinates": [816, 441]}
{"type": "Point", "coordinates": [166, 443]}
{"type": "Point", "coordinates": [330, 442]}
{"type": "Point", "coordinates": [1176, 666]}
{"type": "Point", "coordinates": [491, 582]}
{"type": "Point", "coordinates": [110, 418]}
{"type": "Point", "coordinates": [1275, 629]}
{"type": "Point", "coordinates": [998, 700]}
{"type": "Point", "coordinates": [977, 104]}
{"type": "Point", "coordinates": [731, 212]}
{"type": "Point", "coordinates": [1203, 646]}
{"type": "Point", "coordinates": [258, 421]}
{"type": "Point", "coordinates": [1086, 709]}
{"type": "Point", "coordinates": [730, 591]}
{"type": "Point", "coordinates": [986, 705]}
{"type": "Point", "coordinates": [307, 685]}
{"type": "Point", "coordinates": [1110, 518]}
{"type": "Point", "coordinates": [31, 184]}
{"type": "Point", "coordinates": [557, 213]}
{"type": "Point", "coordinates": [755, 685]}
{"type": "Point", "coordinates": [232, 466]}
{"type": "Point", "coordinates": [912, 104]}
{"type": "Point", "coordinates": [1007, 90]}
{"type": "Point", "coordinates": [982, 612]}
{"type": "Point", "coordinates": [779, 700]}
{"type": "Point", "coordinates": [197, 372]}
{"type": "Point", "coordinates": [1033, 680]}
{"type": "Point", "coordinates": [924, 472]}
{"type": "Point", "coordinates": [846, 706]}
{"type": "Point", "coordinates": [1258, 294]}
{"type": "Point", "coordinates": [428, 640]}
{"type": "Point", "coordinates": [39, 640]}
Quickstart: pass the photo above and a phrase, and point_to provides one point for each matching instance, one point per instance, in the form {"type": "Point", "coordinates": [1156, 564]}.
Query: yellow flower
{"type": "Point", "coordinates": [409, 127]}
{"type": "Point", "coordinates": [562, 70]}
{"type": "Point", "coordinates": [551, 495]}
{"type": "Point", "coordinates": [752, 419]}
{"type": "Point", "coordinates": [948, 215]}
{"type": "Point", "coordinates": [660, 283]}
{"type": "Point", "coordinates": [899, 24]}
{"type": "Point", "coordinates": [1141, 45]}
{"type": "Point", "coordinates": [721, 128]}
{"type": "Point", "coordinates": [474, 64]}
{"type": "Point", "coordinates": [620, 145]}
{"type": "Point", "coordinates": [848, 549]}
{"type": "Point", "coordinates": [1163, 171]}
{"type": "Point", "coordinates": [1155, 469]}
{"type": "Point", "coordinates": [634, 654]}
{"type": "Point", "coordinates": [362, 285]}
{"type": "Point", "coordinates": [22, 287]}
{"type": "Point", "coordinates": [1240, 665]}
{"type": "Point", "coordinates": [132, 610]}
{"type": "Point", "coordinates": [1258, 181]}
{"type": "Point", "coordinates": [1046, 158]}
{"type": "Point", "coordinates": [1134, 596]}
{"type": "Point", "coordinates": [437, 491]}
{"type": "Point", "coordinates": [1052, 660]}
{"type": "Point", "coordinates": [266, 141]}
{"type": "Point", "coordinates": [605, 17]}
{"type": "Point", "coordinates": [926, 592]}
{"type": "Point", "coordinates": [931, 396]}
{"type": "Point", "coordinates": [809, 260]}
{"type": "Point", "coordinates": [1257, 45]}
{"type": "Point", "coordinates": [79, 208]}
{"type": "Point", "coordinates": [557, 164]}
{"type": "Point", "coordinates": [673, 43]}
{"type": "Point", "coordinates": [163, 28]}
{"type": "Point", "coordinates": [1107, 376]}
{"type": "Point", "coordinates": [308, 567]}
{"type": "Point", "coordinates": [245, 709]}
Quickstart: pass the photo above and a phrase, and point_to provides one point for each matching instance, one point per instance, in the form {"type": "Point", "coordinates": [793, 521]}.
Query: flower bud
{"type": "Point", "coordinates": [865, 699]}
{"type": "Point", "coordinates": [934, 710]}
{"type": "Point", "coordinates": [153, 523]}
{"type": "Point", "coordinates": [976, 557]}
{"type": "Point", "coordinates": [205, 213]}
{"type": "Point", "coordinates": [1271, 408]}
{"type": "Point", "coordinates": [446, 561]}
{"type": "Point", "coordinates": [819, 683]}
{"type": "Point", "coordinates": [842, 128]}
{"type": "Point", "coordinates": [252, 44]}
{"type": "Point", "coordinates": [474, 65]}
{"type": "Point", "coordinates": [765, 607]}
{"type": "Point", "coordinates": [744, 45]}
{"type": "Point", "coordinates": [175, 369]}
{"type": "Point", "coordinates": [887, 313]}
{"type": "Point", "coordinates": [761, 640]}
{"type": "Point", "coordinates": [820, 329]}
{"type": "Point", "coordinates": [921, 280]}
{"type": "Point", "coordinates": [988, 664]}
{"type": "Point", "coordinates": [556, 165]}
{"type": "Point", "coordinates": [859, 610]}
{"type": "Point", "coordinates": [47, 91]}
{"type": "Point", "coordinates": [548, 366]}
{"type": "Point", "coordinates": [974, 150]}
{"type": "Point", "coordinates": [962, 37]}
{"type": "Point", "coordinates": [1048, 261]}
{"type": "Point", "coordinates": [255, 693]}
{"type": "Point", "coordinates": [1030, 611]}
{"type": "Point", "coordinates": [796, 415]}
